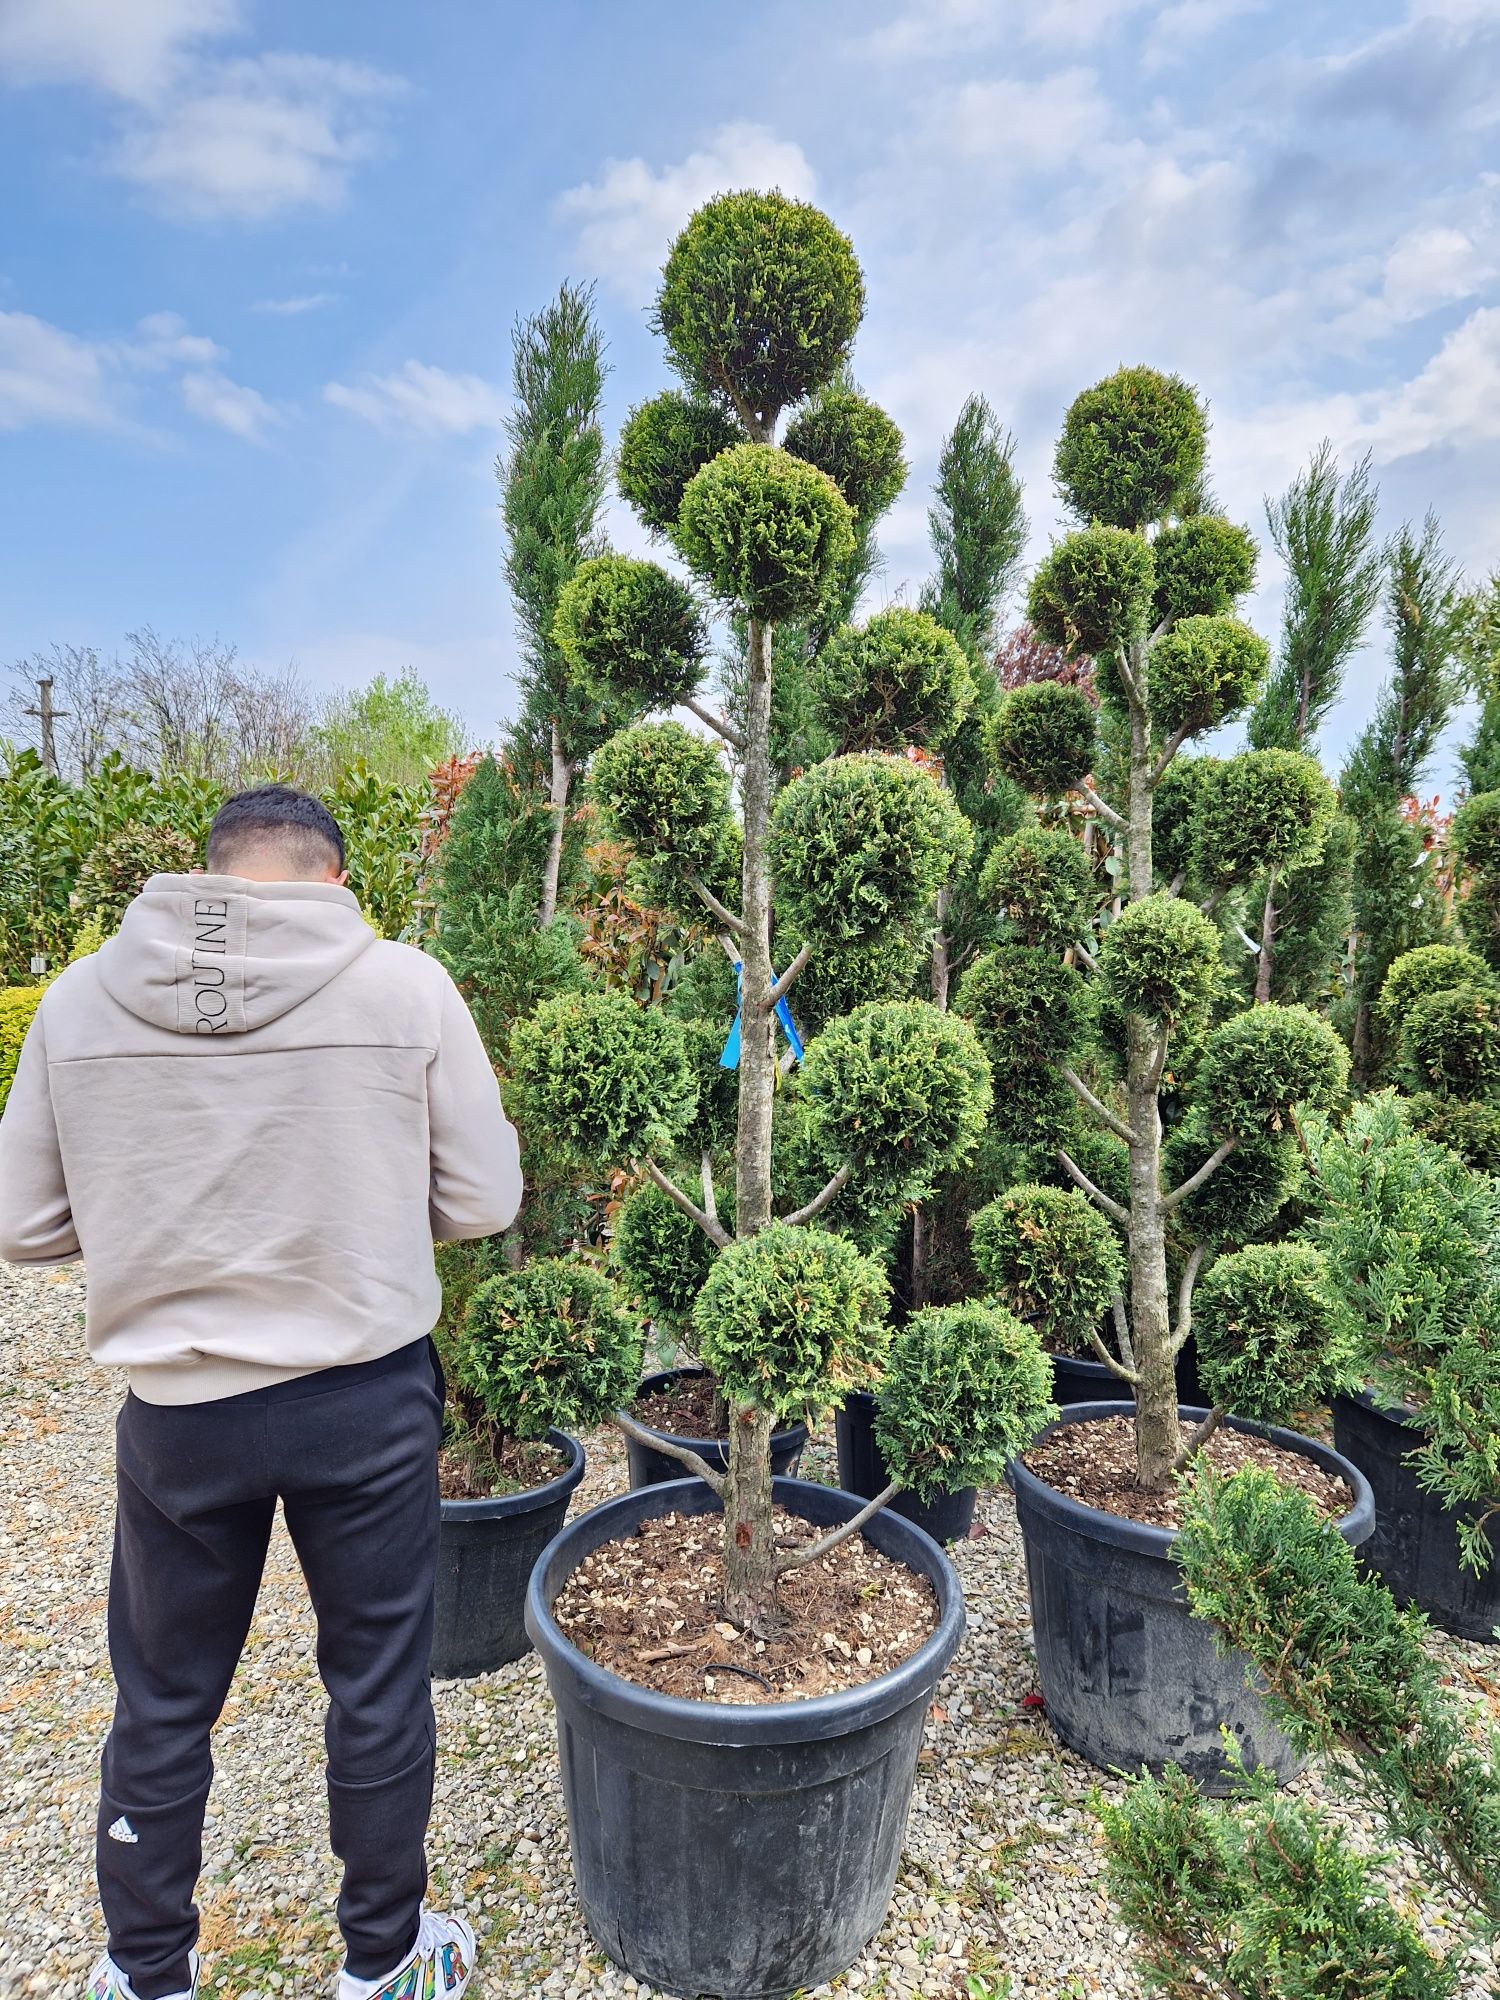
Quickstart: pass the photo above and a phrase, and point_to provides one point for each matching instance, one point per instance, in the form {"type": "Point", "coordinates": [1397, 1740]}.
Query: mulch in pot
{"type": "Point", "coordinates": [469, 1474]}
{"type": "Point", "coordinates": [650, 1608]}
{"type": "Point", "coordinates": [1095, 1463]}
{"type": "Point", "coordinates": [686, 1409]}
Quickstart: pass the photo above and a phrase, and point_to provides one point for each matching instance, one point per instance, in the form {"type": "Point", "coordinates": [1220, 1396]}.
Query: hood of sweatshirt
{"type": "Point", "coordinates": [215, 955]}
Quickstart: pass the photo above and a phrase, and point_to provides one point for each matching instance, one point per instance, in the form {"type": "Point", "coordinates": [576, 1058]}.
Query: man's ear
{"type": "Point", "coordinates": [341, 880]}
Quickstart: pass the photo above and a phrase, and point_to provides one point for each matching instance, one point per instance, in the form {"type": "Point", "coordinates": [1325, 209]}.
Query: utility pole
{"type": "Point", "coordinates": [46, 714]}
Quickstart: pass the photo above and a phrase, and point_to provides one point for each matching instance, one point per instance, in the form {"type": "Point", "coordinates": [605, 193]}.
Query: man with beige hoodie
{"type": "Point", "coordinates": [251, 1117]}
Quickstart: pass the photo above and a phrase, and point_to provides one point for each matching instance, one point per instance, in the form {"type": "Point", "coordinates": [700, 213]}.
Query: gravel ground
{"type": "Point", "coordinates": [1001, 1874]}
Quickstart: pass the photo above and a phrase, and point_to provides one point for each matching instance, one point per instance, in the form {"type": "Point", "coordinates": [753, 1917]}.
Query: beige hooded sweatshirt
{"type": "Point", "coordinates": [251, 1117]}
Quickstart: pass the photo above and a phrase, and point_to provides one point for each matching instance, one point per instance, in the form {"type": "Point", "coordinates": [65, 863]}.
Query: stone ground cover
{"type": "Point", "coordinates": [1000, 1880]}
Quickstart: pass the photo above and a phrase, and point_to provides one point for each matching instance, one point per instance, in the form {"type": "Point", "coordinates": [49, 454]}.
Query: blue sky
{"type": "Point", "coordinates": [259, 264]}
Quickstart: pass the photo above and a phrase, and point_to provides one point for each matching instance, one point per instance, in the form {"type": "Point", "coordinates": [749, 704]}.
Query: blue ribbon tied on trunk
{"type": "Point", "coordinates": [731, 1056]}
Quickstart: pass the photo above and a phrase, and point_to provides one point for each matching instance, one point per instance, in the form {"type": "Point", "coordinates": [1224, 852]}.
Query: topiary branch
{"type": "Point", "coordinates": [1159, 1059]}
{"type": "Point", "coordinates": [1115, 1367]}
{"type": "Point", "coordinates": [1174, 743]}
{"type": "Point", "coordinates": [1122, 1329]}
{"type": "Point", "coordinates": [716, 723]}
{"type": "Point", "coordinates": [1105, 812]}
{"type": "Point", "coordinates": [655, 1441]}
{"type": "Point", "coordinates": [722, 911]}
{"type": "Point", "coordinates": [784, 984]}
{"type": "Point", "coordinates": [1100, 1110]}
{"type": "Point", "coordinates": [1085, 954]}
{"type": "Point", "coordinates": [1097, 1194]}
{"type": "Point", "coordinates": [1195, 1181]}
{"type": "Point", "coordinates": [1201, 1436]}
{"type": "Point", "coordinates": [1212, 901]}
{"type": "Point", "coordinates": [706, 1171]}
{"type": "Point", "coordinates": [1127, 677]}
{"type": "Point", "coordinates": [800, 1558]}
{"type": "Point", "coordinates": [1185, 1298]}
{"type": "Point", "coordinates": [819, 1201]}
{"type": "Point", "coordinates": [713, 1229]}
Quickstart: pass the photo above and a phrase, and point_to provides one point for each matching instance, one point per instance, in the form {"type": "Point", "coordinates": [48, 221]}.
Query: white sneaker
{"type": "Point", "coordinates": [109, 1983]}
{"type": "Point", "coordinates": [439, 1966]}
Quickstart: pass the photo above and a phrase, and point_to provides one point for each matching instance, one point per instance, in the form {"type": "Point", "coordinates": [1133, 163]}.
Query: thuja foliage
{"type": "Point", "coordinates": [966, 1388]}
{"type": "Point", "coordinates": [1411, 1237]}
{"type": "Point", "coordinates": [1118, 1014]}
{"type": "Point", "coordinates": [550, 1347]}
{"type": "Point", "coordinates": [1052, 1258]}
{"type": "Point", "coordinates": [615, 1078]}
{"type": "Point", "coordinates": [1266, 1897]}
{"type": "Point", "coordinates": [900, 678]}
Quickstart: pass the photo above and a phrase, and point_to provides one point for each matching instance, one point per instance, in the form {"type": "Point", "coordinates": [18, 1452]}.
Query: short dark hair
{"type": "Point", "coordinates": [301, 827]}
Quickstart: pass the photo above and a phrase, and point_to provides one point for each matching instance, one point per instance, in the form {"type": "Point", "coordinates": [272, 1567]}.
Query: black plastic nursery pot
{"type": "Point", "coordinates": [730, 1851]}
{"type": "Point", "coordinates": [1129, 1676]}
{"type": "Point", "coordinates": [487, 1550]}
{"type": "Point", "coordinates": [1414, 1548]}
{"type": "Point", "coordinates": [1076, 1379]}
{"type": "Point", "coordinates": [649, 1467]}
{"type": "Point", "coordinates": [862, 1470]}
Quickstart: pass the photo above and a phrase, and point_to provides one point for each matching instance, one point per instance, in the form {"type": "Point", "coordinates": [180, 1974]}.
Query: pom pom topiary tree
{"type": "Point", "coordinates": [759, 303]}
{"type": "Point", "coordinates": [1147, 588]}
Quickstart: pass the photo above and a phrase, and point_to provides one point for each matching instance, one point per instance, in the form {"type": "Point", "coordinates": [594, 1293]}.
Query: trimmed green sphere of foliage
{"type": "Point", "coordinates": [663, 445]}
{"type": "Point", "coordinates": [1202, 565]}
{"type": "Point", "coordinates": [1430, 968]}
{"type": "Point", "coordinates": [899, 1092]}
{"type": "Point", "coordinates": [1045, 736]}
{"type": "Point", "coordinates": [765, 530]}
{"type": "Point", "coordinates": [853, 440]}
{"type": "Point", "coordinates": [1031, 1011]}
{"type": "Point", "coordinates": [900, 678]}
{"type": "Point", "coordinates": [631, 631]}
{"type": "Point", "coordinates": [1450, 1042]}
{"type": "Point", "coordinates": [1266, 1333]}
{"type": "Point", "coordinates": [1040, 885]}
{"type": "Point", "coordinates": [662, 1255]}
{"type": "Point", "coordinates": [115, 872]}
{"type": "Point", "coordinates": [1174, 807]}
{"type": "Point", "coordinates": [609, 1080]}
{"type": "Point", "coordinates": [1262, 809]}
{"type": "Point", "coordinates": [1132, 448]}
{"type": "Point", "coordinates": [666, 791]}
{"type": "Point", "coordinates": [792, 1319]}
{"type": "Point", "coordinates": [1244, 1197]}
{"type": "Point", "coordinates": [760, 300]}
{"type": "Point", "coordinates": [1259, 1066]}
{"type": "Point", "coordinates": [1052, 1258]}
{"type": "Point", "coordinates": [1092, 592]}
{"type": "Point", "coordinates": [861, 844]}
{"type": "Point", "coordinates": [1160, 957]}
{"type": "Point", "coordinates": [1475, 834]}
{"type": "Point", "coordinates": [966, 1389]}
{"type": "Point", "coordinates": [550, 1347]}
{"type": "Point", "coordinates": [1203, 671]}
{"type": "Point", "coordinates": [841, 977]}
{"type": "Point", "coordinates": [1470, 1129]}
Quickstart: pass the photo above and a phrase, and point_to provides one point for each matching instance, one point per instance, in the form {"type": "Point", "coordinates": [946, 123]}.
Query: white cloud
{"type": "Point", "coordinates": [245, 413]}
{"type": "Point", "coordinates": [628, 216]}
{"type": "Point", "coordinates": [256, 136]}
{"type": "Point", "coordinates": [203, 135]}
{"type": "Point", "coordinates": [131, 48]}
{"type": "Point", "coordinates": [427, 401]}
{"type": "Point", "coordinates": [1180, 28]}
{"type": "Point", "coordinates": [1035, 124]}
{"type": "Point", "coordinates": [292, 308]}
{"type": "Point", "coordinates": [48, 376]}
{"type": "Point", "coordinates": [165, 339]}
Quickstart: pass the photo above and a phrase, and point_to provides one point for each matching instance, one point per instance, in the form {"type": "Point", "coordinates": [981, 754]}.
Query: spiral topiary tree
{"type": "Point", "coordinates": [1116, 1005]}
{"type": "Point", "coordinates": [837, 867]}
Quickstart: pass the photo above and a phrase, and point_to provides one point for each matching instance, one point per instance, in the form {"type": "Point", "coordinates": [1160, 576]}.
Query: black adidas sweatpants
{"type": "Point", "coordinates": [352, 1455]}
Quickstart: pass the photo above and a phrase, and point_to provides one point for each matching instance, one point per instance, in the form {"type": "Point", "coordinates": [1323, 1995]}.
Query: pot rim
{"type": "Point", "coordinates": [501, 1506]}
{"type": "Point", "coordinates": [1145, 1538]}
{"type": "Point", "coordinates": [696, 1443]}
{"type": "Point", "coordinates": [745, 1725]}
